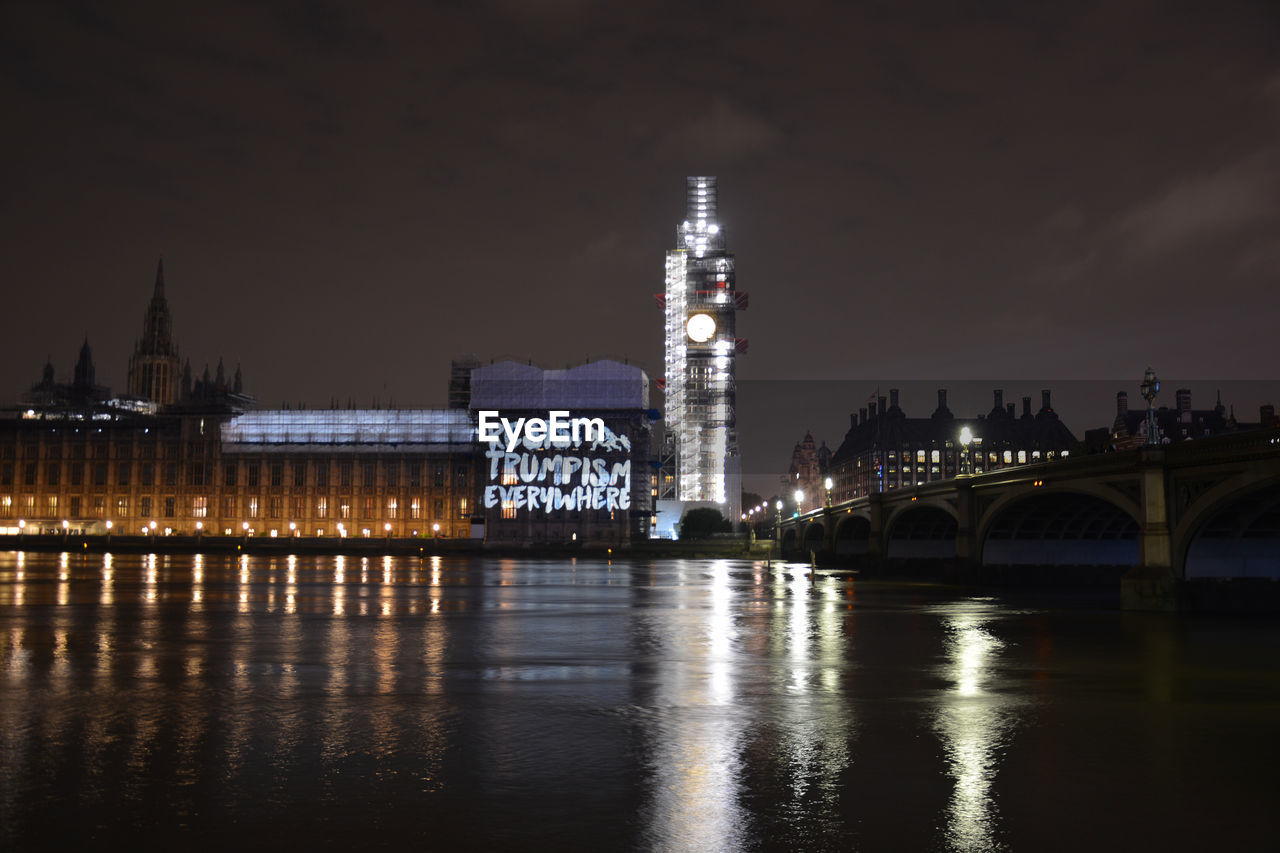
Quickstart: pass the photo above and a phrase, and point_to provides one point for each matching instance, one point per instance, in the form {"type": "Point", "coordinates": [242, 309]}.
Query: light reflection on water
{"type": "Point", "coordinates": [691, 704]}
{"type": "Point", "coordinates": [973, 722]}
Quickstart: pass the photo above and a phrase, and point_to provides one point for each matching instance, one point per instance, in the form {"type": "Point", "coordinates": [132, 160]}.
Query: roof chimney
{"type": "Point", "coordinates": [1183, 396]}
{"type": "Point", "coordinates": [893, 398]}
{"type": "Point", "coordinates": [1026, 407]}
{"type": "Point", "coordinates": [1044, 401]}
{"type": "Point", "coordinates": [1122, 403]}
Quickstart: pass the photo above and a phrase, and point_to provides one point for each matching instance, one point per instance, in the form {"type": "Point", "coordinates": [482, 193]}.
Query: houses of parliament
{"type": "Point", "coordinates": [184, 455]}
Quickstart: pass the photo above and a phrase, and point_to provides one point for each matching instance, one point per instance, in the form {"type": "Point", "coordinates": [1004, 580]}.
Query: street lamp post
{"type": "Point", "coordinates": [828, 484]}
{"type": "Point", "coordinates": [966, 438]}
{"type": "Point", "coordinates": [799, 500]}
{"type": "Point", "coordinates": [108, 525]}
{"type": "Point", "coordinates": [1150, 387]}
{"type": "Point", "coordinates": [199, 532]}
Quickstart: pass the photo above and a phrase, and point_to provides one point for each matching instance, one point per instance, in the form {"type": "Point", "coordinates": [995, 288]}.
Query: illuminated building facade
{"type": "Point", "coordinates": [884, 449]}
{"type": "Point", "coordinates": [276, 473]}
{"type": "Point", "coordinates": [592, 491]}
{"type": "Point", "coordinates": [217, 471]}
{"type": "Point", "coordinates": [700, 451]}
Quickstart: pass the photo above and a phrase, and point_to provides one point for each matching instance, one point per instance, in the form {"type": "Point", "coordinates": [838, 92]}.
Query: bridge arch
{"type": "Point", "coordinates": [853, 535]}
{"type": "Point", "coordinates": [815, 536]}
{"type": "Point", "coordinates": [1065, 527]}
{"type": "Point", "coordinates": [924, 530]}
{"type": "Point", "coordinates": [1233, 530]}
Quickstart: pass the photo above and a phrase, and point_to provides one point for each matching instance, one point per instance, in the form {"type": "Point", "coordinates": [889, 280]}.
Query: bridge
{"type": "Point", "coordinates": [1156, 516]}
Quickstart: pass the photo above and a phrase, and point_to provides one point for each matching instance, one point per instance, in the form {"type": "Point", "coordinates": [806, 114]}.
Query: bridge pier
{"type": "Point", "coordinates": [1152, 585]}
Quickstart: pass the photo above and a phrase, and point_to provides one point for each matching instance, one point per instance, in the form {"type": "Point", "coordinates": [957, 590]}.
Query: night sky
{"type": "Point", "coordinates": [348, 196]}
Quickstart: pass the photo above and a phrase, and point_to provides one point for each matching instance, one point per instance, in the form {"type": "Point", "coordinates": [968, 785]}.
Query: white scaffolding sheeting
{"type": "Point", "coordinates": [596, 385]}
{"type": "Point", "coordinates": [353, 429]}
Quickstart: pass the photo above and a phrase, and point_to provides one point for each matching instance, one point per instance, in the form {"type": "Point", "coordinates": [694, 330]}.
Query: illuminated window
{"type": "Point", "coordinates": [935, 457]}
{"type": "Point", "coordinates": [508, 509]}
{"type": "Point", "coordinates": [920, 456]}
{"type": "Point", "coordinates": [274, 507]}
{"type": "Point", "coordinates": [28, 504]}
{"type": "Point", "coordinates": [462, 507]}
{"type": "Point", "coordinates": [322, 507]}
{"type": "Point", "coordinates": [1008, 457]}
{"type": "Point", "coordinates": [344, 508]}
{"type": "Point", "coordinates": [100, 506]}
{"type": "Point", "coordinates": [368, 508]}
{"type": "Point", "coordinates": [253, 507]}
{"type": "Point", "coordinates": [199, 507]}
{"type": "Point", "coordinates": [52, 504]}
{"type": "Point", "coordinates": [122, 507]}
{"type": "Point", "coordinates": [1035, 454]}
{"type": "Point", "coordinates": [6, 506]}
{"type": "Point", "coordinates": [393, 507]}
{"type": "Point", "coordinates": [415, 508]}
{"type": "Point", "coordinates": [1022, 457]}
{"type": "Point", "coordinates": [299, 508]}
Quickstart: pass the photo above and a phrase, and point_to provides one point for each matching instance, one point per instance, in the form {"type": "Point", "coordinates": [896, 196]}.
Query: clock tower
{"type": "Point", "coordinates": [700, 462]}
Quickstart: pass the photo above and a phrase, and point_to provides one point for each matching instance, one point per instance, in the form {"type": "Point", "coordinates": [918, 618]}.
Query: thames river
{"type": "Point", "coordinates": [490, 704]}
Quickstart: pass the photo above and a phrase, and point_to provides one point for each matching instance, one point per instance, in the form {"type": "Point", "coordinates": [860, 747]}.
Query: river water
{"type": "Point", "coordinates": [489, 704]}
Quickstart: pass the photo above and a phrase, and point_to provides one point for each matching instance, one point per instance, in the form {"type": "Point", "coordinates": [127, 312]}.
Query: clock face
{"type": "Point", "coordinates": [700, 328]}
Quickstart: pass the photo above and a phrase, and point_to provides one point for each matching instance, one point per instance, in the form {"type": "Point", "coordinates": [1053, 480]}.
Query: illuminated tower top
{"type": "Point", "coordinates": [700, 232]}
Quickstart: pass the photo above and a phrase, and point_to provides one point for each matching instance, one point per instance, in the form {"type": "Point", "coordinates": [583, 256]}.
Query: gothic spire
{"type": "Point", "coordinates": [158, 295]}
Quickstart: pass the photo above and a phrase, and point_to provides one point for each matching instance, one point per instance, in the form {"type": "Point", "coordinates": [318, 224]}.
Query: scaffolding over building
{"type": "Point", "coordinates": [700, 461]}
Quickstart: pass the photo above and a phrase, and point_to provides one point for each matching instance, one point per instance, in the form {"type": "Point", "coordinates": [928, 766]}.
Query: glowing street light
{"type": "Point", "coordinates": [966, 438]}
{"type": "Point", "coordinates": [827, 483]}
{"type": "Point", "coordinates": [435, 528]}
{"type": "Point", "coordinates": [799, 499]}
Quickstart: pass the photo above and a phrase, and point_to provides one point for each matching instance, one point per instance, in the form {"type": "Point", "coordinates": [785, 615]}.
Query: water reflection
{"type": "Point", "coordinates": [697, 726]}
{"type": "Point", "coordinates": [974, 722]}
{"type": "Point", "coordinates": [520, 704]}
